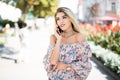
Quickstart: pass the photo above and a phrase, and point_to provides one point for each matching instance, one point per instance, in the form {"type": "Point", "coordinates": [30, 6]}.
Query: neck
{"type": "Point", "coordinates": [68, 32]}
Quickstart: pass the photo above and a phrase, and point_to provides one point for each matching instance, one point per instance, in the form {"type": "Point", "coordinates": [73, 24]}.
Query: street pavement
{"type": "Point", "coordinates": [32, 67]}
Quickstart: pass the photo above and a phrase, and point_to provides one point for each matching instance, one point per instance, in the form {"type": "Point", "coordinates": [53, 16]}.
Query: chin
{"type": "Point", "coordinates": [63, 29]}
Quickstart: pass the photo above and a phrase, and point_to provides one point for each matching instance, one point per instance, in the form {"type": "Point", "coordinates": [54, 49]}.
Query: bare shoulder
{"type": "Point", "coordinates": [52, 39]}
{"type": "Point", "coordinates": [80, 37]}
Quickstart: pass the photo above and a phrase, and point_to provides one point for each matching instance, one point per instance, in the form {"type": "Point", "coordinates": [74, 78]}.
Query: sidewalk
{"type": "Point", "coordinates": [32, 68]}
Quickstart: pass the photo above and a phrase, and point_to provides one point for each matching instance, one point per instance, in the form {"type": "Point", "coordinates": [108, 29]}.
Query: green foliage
{"type": "Point", "coordinates": [23, 5]}
{"type": "Point", "coordinates": [44, 8]}
{"type": "Point", "coordinates": [1, 44]}
{"type": "Point", "coordinates": [20, 23]}
{"type": "Point", "coordinates": [107, 57]}
{"type": "Point", "coordinates": [111, 41]}
{"type": "Point", "coordinates": [40, 8]}
{"type": "Point", "coordinates": [4, 22]}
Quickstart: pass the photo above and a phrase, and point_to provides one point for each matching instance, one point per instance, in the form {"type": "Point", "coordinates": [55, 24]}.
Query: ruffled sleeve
{"type": "Point", "coordinates": [81, 64]}
{"type": "Point", "coordinates": [47, 57]}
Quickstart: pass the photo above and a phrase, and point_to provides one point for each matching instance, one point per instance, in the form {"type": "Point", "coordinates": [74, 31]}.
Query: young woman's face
{"type": "Point", "coordinates": [63, 21]}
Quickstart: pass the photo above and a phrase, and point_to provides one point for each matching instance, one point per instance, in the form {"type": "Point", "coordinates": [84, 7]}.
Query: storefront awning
{"type": "Point", "coordinates": [107, 18]}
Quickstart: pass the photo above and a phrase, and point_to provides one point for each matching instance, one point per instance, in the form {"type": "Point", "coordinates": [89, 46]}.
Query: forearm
{"type": "Point", "coordinates": [55, 54]}
{"type": "Point", "coordinates": [63, 66]}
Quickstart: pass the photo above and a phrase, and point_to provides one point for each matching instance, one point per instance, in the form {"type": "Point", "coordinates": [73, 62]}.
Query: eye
{"type": "Point", "coordinates": [57, 19]}
{"type": "Point", "coordinates": [64, 17]}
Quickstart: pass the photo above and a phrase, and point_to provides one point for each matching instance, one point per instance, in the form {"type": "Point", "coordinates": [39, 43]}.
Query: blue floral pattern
{"type": "Point", "coordinates": [75, 54]}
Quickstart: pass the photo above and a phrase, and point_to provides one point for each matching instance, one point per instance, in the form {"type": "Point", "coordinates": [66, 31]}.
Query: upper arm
{"type": "Point", "coordinates": [52, 39]}
{"type": "Point", "coordinates": [82, 38]}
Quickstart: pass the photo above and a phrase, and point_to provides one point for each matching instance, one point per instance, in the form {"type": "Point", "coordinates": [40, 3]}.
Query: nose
{"type": "Point", "coordinates": [61, 20]}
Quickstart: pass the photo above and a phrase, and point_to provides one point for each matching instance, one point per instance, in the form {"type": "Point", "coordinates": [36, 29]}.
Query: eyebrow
{"type": "Point", "coordinates": [62, 16]}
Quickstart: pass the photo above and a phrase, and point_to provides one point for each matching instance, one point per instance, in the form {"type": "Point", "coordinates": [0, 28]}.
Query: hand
{"type": "Point", "coordinates": [61, 66]}
{"type": "Point", "coordinates": [58, 35]}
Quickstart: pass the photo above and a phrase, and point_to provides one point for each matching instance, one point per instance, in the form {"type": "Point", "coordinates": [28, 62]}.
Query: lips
{"type": "Point", "coordinates": [62, 25]}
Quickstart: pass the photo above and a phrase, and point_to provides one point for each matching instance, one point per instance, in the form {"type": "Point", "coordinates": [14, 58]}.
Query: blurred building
{"type": "Point", "coordinates": [105, 7]}
{"type": "Point", "coordinates": [113, 7]}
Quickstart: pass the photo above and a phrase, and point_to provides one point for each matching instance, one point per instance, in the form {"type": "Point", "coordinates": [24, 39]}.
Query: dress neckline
{"type": "Point", "coordinates": [66, 44]}
{"type": "Point", "coordinates": [73, 43]}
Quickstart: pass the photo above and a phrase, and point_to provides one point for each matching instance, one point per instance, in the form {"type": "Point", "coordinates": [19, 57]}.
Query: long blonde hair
{"type": "Point", "coordinates": [70, 14]}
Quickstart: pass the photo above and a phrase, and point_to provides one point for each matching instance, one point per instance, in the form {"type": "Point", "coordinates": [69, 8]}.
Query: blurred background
{"type": "Point", "coordinates": [25, 27]}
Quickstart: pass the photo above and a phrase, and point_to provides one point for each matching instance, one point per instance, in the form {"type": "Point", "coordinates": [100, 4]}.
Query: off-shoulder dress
{"type": "Point", "coordinates": [74, 54]}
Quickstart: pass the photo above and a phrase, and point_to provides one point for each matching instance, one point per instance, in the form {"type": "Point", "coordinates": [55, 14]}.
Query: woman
{"type": "Point", "coordinates": [68, 54]}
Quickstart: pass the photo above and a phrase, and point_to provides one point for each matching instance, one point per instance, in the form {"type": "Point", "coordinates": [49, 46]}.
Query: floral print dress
{"type": "Point", "coordinates": [75, 54]}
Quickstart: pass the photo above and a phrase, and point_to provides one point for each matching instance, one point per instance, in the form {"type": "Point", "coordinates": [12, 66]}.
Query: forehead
{"type": "Point", "coordinates": [60, 14]}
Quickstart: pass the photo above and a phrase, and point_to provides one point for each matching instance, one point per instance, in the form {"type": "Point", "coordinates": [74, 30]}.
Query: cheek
{"type": "Point", "coordinates": [58, 23]}
{"type": "Point", "coordinates": [68, 23]}
{"type": "Point", "coordinates": [67, 26]}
